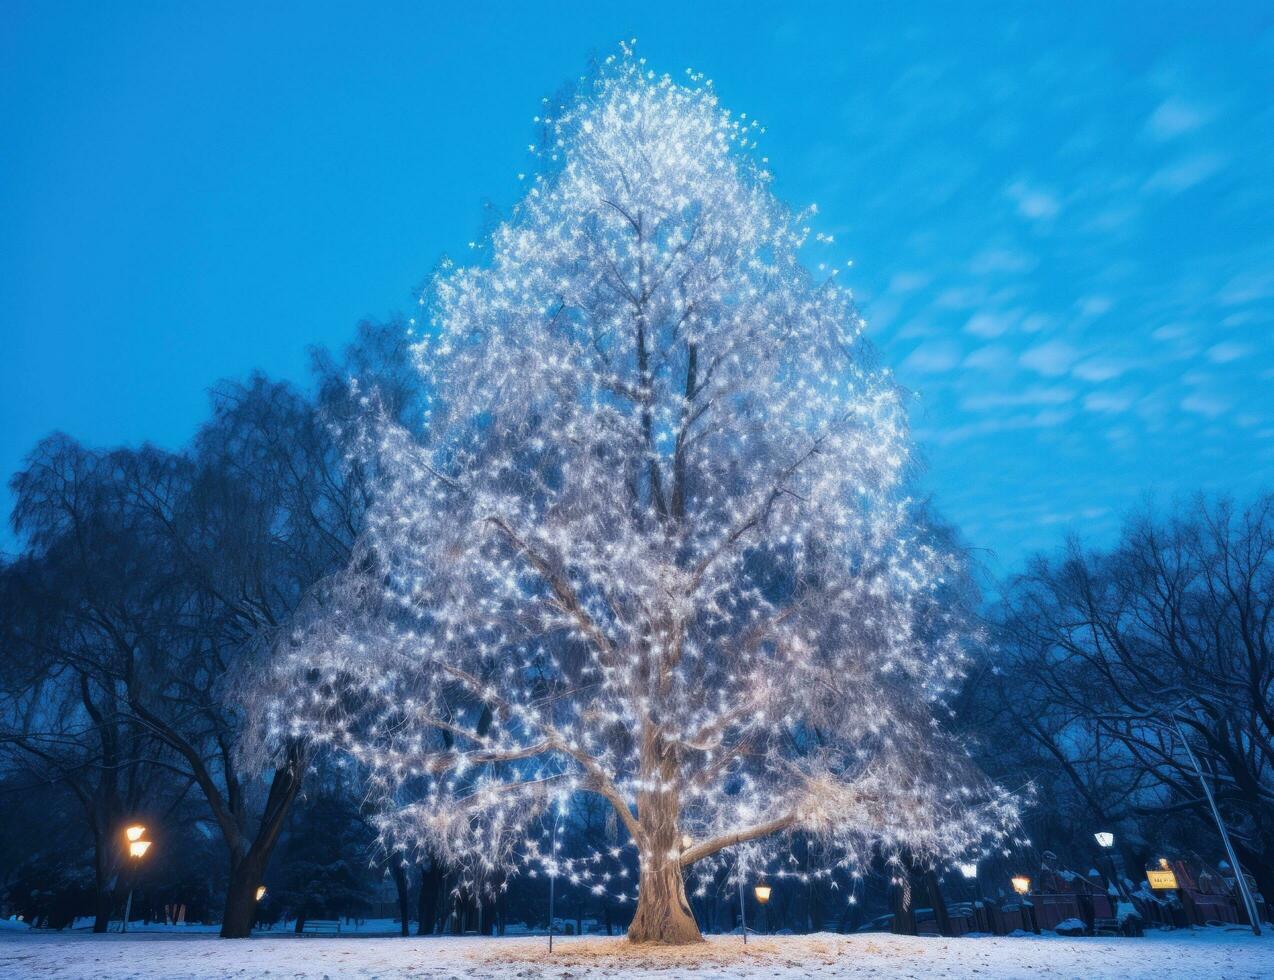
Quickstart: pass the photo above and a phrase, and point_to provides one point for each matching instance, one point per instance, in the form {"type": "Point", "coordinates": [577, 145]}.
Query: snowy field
{"type": "Point", "coordinates": [1202, 953]}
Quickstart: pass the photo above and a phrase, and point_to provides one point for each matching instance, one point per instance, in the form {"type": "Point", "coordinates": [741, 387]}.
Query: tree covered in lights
{"type": "Point", "coordinates": [654, 545]}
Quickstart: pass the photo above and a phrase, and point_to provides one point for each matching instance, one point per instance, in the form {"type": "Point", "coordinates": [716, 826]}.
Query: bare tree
{"type": "Point", "coordinates": [1172, 627]}
{"type": "Point", "coordinates": [64, 713]}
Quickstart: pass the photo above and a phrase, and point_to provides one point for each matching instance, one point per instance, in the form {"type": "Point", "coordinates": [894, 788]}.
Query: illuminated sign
{"type": "Point", "coordinates": [1161, 880]}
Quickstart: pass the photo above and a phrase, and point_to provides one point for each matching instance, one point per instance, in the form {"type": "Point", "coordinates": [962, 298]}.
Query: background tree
{"type": "Point", "coordinates": [89, 582]}
{"type": "Point", "coordinates": [1173, 626]}
{"type": "Point", "coordinates": [155, 585]}
{"type": "Point", "coordinates": [325, 869]}
{"type": "Point", "coordinates": [656, 545]}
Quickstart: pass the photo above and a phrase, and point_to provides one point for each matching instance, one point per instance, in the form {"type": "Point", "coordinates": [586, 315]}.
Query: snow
{"type": "Point", "coordinates": [366, 927]}
{"type": "Point", "coordinates": [1183, 955]}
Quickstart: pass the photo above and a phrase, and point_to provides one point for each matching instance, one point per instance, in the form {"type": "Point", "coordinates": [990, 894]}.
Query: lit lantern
{"type": "Point", "coordinates": [1105, 838]}
{"type": "Point", "coordinates": [762, 893]}
{"type": "Point", "coordinates": [137, 849]}
{"type": "Point", "coordinates": [260, 892]}
{"type": "Point", "coordinates": [1021, 884]}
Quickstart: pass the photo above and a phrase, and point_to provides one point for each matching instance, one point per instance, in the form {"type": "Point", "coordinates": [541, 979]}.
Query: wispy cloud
{"type": "Point", "coordinates": [1035, 203]}
{"type": "Point", "coordinates": [988, 324]}
{"type": "Point", "coordinates": [1051, 358]}
{"type": "Point", "coordinates": [1185, 173]}
{"type": "Point", "coordinates": [1227, 351]}
{"type": "Point", "coordinates": [1213, 406]}
{"type": "Point", "coordinates": [1175, 117]}
{"type": "Point", "coordinates": [1036, 395]}
{"type": "Point", "coordinates": [932, 358]}
{"type": "Point", "coordinates": [1108, 401]}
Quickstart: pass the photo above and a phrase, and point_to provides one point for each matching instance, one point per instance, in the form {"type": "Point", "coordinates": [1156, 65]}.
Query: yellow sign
{"type": "Point", "coordinates": [1161, 880]}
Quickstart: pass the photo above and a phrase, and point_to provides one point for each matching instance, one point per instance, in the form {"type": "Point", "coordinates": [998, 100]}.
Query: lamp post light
{"type": "Point", "coordinates": [137, 848]}
{"type": "Point", "coordinates": [1022, 885]}
{"type": "Point", "coordinates": [762, 892]}
{"type": "Point", "coordinates": [969, 869]}
{"type": "Point", "coordinates": [260, 892]}
{"type": "Point", "coordinates": [1106, 841]}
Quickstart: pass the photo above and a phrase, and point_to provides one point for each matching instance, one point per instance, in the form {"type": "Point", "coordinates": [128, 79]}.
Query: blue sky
{"type": "Point", "coordinates": [1060, 216]}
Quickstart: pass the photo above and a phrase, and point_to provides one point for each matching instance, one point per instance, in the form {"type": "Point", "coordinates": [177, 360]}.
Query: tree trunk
{"type": "Point", "coordinates": [663, 914]}
{"type": "Point", "coordinates": [246, 873]}
{"type": "Point", "coordinates": [904, 907]}
{"type": "Point", "coordinates": [1259, 867]}
{"type": "Point", "coordinates": [103, 893]}
{"type": "Point", "coordinates": [939, 903]}
{"type": "Point", "coordinates": [400, 883]}
{"type": "Point", "coordinates": [427, 900]}
{"type": "Point", "coordinates": [241, 898]}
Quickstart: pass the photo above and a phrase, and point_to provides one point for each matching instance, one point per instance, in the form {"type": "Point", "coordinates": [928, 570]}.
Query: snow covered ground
{"type": "Point", "coordinates": [141, 956]}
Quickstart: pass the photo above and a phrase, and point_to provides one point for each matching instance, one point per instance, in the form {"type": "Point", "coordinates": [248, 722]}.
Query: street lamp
{"type": "Point", "coordinates": [762, 892]}
{"type": "Point", "coordinates": [260, 892]}
{"type": "Point", "coordinates": [1106, 841]}
{"type": "Point", "coordinates": [970, 871]}
{"type": "Point", "coordinates": [1022, 885]}
{"type": "Point", "coordinates": [137, 848]}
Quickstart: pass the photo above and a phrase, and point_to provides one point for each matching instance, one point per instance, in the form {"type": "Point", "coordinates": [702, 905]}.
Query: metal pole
{"type": "Point", "coordinates": [1121, 873]}
{"type": "Point", "coordinates": [1225, 836]}
{"type": "Point", "coordinates": [743, 916]}
{"type": "Point", "coordinates": [128, 908]}
{"type": "Point", "coordinates": [553, 877]}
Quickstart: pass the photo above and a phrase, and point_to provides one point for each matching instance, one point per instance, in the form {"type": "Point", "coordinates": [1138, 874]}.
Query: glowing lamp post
{"type": "Point", "coordinates": [1106, 841]}
{"type": "Point", "coordinates": [969, 869]}
{"type": "Point", "coordinates": [1022, 885]}
{"type": "Point", "coordinates": [762, 893]}
{"type": "Point", "coordinates": [260, 892]}
{"type": "Point", "coordinates": [137, 848]}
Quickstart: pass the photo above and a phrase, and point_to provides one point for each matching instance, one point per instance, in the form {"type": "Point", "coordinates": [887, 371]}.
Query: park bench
{"type": "Point", "coordinates": [959, 915]}
{"type": "Point", "coordinates": [1104, 915]}
{"type": "Point", "coordinates": [321, 927]}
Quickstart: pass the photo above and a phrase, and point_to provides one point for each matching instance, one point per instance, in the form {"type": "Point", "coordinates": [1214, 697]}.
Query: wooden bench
{"type": "Point", "coordinates": [321, 927]}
